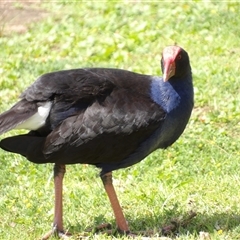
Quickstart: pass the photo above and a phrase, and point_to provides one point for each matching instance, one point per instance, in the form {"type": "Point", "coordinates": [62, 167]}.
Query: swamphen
{"type": "Point", "coordinates": [110, 118]}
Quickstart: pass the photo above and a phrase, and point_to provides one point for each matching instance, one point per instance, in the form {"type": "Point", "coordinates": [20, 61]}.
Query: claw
{"type": "Point", "coordinates": [63, 234]}
{"type": "Point", "coordinates": [57, 234]}
{"type": "Point", "coordinates": [103, 227]}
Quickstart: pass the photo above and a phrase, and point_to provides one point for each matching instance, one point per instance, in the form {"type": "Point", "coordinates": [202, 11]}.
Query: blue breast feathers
{"type": "Point", "coordinates": [164, 94]}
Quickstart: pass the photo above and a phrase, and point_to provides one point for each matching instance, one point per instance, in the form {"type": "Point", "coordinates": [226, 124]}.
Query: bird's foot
{"type": "Point", "coordinates": [106, 228]}
{"type": "Point", "coordinates": [177, 223]}
{"type": "Point", "coordinates": [57, 233]}
{"type": "Point", "coordinates": [128, 233]}
{"type": "Point", "coordinates": [63, 234]}
{"type": "Point", "coordinates": [103, 228]}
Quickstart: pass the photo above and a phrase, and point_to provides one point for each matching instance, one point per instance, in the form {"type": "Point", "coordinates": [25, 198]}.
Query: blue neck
{"type": "Point", "coordinates": [164, 94]}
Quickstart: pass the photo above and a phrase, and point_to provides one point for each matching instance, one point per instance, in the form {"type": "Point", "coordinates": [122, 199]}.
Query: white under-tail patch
{"type": "Point", "coordinates": [37, 120]}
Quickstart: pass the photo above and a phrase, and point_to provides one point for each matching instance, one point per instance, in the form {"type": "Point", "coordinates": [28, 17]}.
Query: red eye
{"type": "Point", "coordinates": [179, 56]}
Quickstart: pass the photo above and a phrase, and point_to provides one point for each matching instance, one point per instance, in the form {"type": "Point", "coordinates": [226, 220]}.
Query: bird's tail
{"type": "Point", "coordinates": [29, 146]}
{"type": "Point", "coordinates": [17, 115]}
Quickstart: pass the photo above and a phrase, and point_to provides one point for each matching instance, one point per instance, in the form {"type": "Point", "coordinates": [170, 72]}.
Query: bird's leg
{"type": "Point", "coordinates": [59, 171]}
{"type": "Point", "coordinates": [120, 219]}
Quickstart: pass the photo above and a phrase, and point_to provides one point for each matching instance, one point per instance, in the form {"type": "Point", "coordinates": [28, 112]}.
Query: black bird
{"type": "Point", "coordinates": [110, 118]}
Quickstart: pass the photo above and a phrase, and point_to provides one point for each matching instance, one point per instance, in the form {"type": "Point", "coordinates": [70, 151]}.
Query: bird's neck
{"type": "Point", "coordinates": [169, 94]}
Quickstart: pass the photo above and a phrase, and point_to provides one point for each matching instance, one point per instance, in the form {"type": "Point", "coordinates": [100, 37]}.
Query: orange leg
{"type": "Point", "coordinates": [120, 219]}
{"type": "Point", "coordinates": [59, 171]}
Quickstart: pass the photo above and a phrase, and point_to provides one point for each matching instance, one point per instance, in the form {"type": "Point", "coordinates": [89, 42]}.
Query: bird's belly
{"type": "Point", "coordinates": [163, 137]}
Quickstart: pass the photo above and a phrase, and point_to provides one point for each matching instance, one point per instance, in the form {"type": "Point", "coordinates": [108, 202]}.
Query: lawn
{"type": "Point", "coordinates": [198, 174]}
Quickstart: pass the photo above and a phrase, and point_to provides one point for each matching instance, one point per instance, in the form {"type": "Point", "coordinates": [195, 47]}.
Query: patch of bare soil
{"type": "Point", "coordinates": [16, 16]}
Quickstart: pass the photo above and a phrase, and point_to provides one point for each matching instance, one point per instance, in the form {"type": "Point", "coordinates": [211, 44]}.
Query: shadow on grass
{"type": "Point", "coordinates": [188, 223]}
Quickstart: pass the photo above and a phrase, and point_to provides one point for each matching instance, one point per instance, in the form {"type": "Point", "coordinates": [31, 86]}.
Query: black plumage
{"type": "Point", "coordinates": [110, 118]}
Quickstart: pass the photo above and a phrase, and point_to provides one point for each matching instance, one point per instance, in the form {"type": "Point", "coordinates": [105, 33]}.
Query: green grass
{"type": "Point", "coordinates": [200, 172]}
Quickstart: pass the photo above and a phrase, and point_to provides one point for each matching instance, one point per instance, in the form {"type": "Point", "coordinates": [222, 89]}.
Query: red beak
{"type": "Point", "coordinates": [169, 69]}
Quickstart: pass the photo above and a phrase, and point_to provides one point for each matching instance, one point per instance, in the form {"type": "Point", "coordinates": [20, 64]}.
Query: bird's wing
{"type": "Point", "coordinates": [17, 115]}
{"type": "Point", "coordinates": [63, 89]}
{"type": "Point", "coordinates": [96, 116]}
{"type": "Point", "coordinates": [72, 85]}
{"type": "Point", "coordinates": [106, 132]}
{"type": "Point", "coordinates": [117, 124]}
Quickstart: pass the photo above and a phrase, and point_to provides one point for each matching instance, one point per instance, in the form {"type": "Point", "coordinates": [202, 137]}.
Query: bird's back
{"type": "Point", "coordinates": [110, 118]}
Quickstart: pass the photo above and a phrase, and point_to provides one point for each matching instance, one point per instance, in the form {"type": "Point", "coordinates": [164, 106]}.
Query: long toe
{"type": "Point", "coordinates": [57, 234]}
{"type": "Point", "coordinates": [63, 234]}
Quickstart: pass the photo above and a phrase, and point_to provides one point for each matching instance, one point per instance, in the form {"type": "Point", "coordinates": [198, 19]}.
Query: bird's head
{"type": "Point", "coordinates": [175, 62]}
